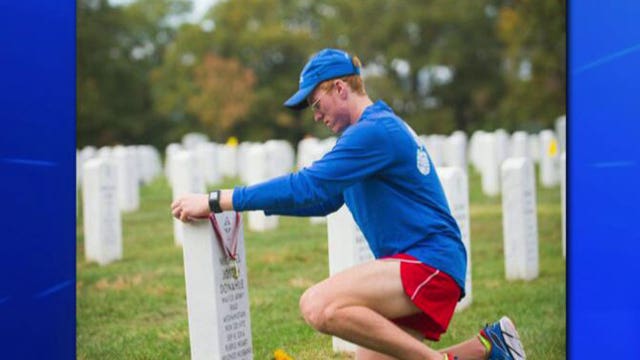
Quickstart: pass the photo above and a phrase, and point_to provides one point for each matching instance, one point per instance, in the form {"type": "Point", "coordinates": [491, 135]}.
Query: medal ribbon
{"type": "Point", "coordinates": [233, 251]}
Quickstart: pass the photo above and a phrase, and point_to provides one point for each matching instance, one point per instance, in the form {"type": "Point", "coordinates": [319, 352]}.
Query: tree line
{"type": "Point", "coordinates": [143, 76]}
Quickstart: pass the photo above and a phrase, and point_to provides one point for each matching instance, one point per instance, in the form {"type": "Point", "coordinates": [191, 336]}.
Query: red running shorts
{"type": "Point", "coordinates": [432, 291]}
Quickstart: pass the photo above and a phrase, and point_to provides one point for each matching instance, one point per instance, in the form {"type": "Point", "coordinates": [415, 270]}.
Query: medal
{"type": "Point", "coordinates": [229, 246]}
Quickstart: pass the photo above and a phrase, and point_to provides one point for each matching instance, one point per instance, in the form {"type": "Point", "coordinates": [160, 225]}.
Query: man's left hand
{"type": "Point", "coordinates": [189, 207]}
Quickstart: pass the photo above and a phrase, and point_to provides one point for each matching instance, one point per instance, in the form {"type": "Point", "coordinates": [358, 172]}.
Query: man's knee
{"type": "Point", "coordinates": [317, 311]}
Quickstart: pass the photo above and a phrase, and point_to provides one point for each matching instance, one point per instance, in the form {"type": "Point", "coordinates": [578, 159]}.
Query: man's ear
{"type": "Point", "coordinates": [342, 89]}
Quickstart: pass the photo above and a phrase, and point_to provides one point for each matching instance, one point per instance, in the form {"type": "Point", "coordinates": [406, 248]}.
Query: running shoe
{"type": "Point", "coordinates": [504, 339]}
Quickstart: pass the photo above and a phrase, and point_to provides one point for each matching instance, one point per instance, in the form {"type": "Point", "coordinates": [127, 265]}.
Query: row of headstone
{"type": "Point", "coordinates": [217, 160]}
{"type": "Point", "coordinates": [146, 158]}
{"type": "Point", "coordinates": [277, 155]}
{"type": "Point", "coordinates": [487, 152]}
{"type": "Point", "coordinates": [110, 179]}
{"type": "Point", "coordinates": [254, 162]}
{"type": "Point", "coordinates": [447, 150]}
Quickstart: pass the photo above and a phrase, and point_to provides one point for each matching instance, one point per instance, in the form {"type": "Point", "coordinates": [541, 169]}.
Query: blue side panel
{"type": "Point", "coordinates": [604, 179]}
{"type": "Point", "coordinates": [37, 179]}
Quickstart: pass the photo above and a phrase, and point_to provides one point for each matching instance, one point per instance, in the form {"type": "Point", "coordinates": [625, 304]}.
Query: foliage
{"type": "Point", "coordinates": [534, 36]}
{"type": "Point", "coordinates": [505, 61]}
{"type": "Point", "coordinates": [223, 92]}
{"type": "Point", "coordinates": [117, 47]}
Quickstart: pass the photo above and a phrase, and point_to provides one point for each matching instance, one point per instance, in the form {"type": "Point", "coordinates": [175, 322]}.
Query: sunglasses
{"type": "Point", "coordinates": [315, 106]}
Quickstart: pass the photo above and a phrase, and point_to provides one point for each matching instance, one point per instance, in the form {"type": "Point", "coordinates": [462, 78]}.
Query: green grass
{"type": "Point", "coordinates": [136, 308]}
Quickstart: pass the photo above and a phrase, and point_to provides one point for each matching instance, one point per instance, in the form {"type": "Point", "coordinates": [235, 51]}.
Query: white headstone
{"type": "Point", "coordinates": [561, 132]}
{"type": "Point", "coordinates": [128, 186]}
{"type": "Point", "coordinates": [305, 152]}
{"type": "Point", "coordinates": [101, 213]}
{"type": "Point", "coordinates": [87, 153]}
{"type": "Point", "coordinates": [456, 150]}
{"type": "Point", "coordinates": [142, 164]}
{"type": "Point", "coordinates": [534, 147]}
{"type": "Point", "coordinates": [185, 179]}
{"type": "Point", "coordinates": [228, 160]}
{"type": "Point", "coordinates": [347, 248]}
{"type": "Point", "coordinates": [489, 164]}
{"type": "Point", "coordinates": [207, 159]}
{"type": "Point", "coordinates": [563, 196]}
{"type": "Point", "coordinates": [519, 144]}
{"type": "Point", "coordinates": [502, 145]}
{"type": "Point", "coordinates": [243, 165]}
{"type": "Point", "coordinates": [456, 188]}
{"type": "Point", "coordinates": [549, 176]}
{"type": "Point", "coordinates": [191, 141]}
{"type": "Point", "coordinates": [217, 300]}
{"type": "Point", "coordinates": [257, 171]}
{"type": "Point", "coordinates": [148, 163]}
{"type": "Point", "coordinates": [519, 219]}
{"type": "Point", "coordinates": [104, 152]}
{"type": "Point", "coordinates": [170, 150]}
{"type": "Point", "coordinates": [280, 157]}
{"type": "Point", "coordinates": [78, 169]}
{"type": "Point", "coordinates": [475, 155]}
{"type": "Point", "coordinates": [436, 147]}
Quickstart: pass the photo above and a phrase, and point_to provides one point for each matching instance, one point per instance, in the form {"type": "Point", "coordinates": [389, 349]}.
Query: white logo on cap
{"type": "Point", "coordinates": [301, 79]}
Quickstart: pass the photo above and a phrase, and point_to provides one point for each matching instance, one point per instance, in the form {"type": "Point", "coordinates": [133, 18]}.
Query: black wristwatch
{"type": "Point", "coordinates": [214, 201]}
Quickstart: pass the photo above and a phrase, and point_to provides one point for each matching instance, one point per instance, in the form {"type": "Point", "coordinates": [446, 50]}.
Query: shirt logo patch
{"type": "Point", "coordinates": [423, 160]}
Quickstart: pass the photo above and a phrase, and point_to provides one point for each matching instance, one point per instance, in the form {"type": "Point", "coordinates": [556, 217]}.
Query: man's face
{"type": "Point", "coordinates": [326, 104]}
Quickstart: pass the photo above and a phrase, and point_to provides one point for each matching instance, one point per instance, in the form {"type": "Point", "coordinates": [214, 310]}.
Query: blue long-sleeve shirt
{"type": "Point", "coordinates": [381, 170]}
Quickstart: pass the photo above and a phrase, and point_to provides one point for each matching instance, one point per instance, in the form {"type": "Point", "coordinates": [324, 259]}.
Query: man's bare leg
{"type": "Point", "coordinates": [367, 354]}
{"type": "Point", "coordinates": [356, 305]}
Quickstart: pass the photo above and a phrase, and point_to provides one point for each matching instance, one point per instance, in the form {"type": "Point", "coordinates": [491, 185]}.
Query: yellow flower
{"type": "Point", "coordinates": [281, 355]}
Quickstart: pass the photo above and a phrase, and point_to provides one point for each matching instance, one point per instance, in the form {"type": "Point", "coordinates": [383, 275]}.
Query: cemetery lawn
{"type": "Point", "coordinates": [136, 308]}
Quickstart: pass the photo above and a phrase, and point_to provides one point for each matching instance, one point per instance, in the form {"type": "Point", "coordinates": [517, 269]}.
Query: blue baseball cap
{"type": "Point", "coordinates": [325, 65]}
